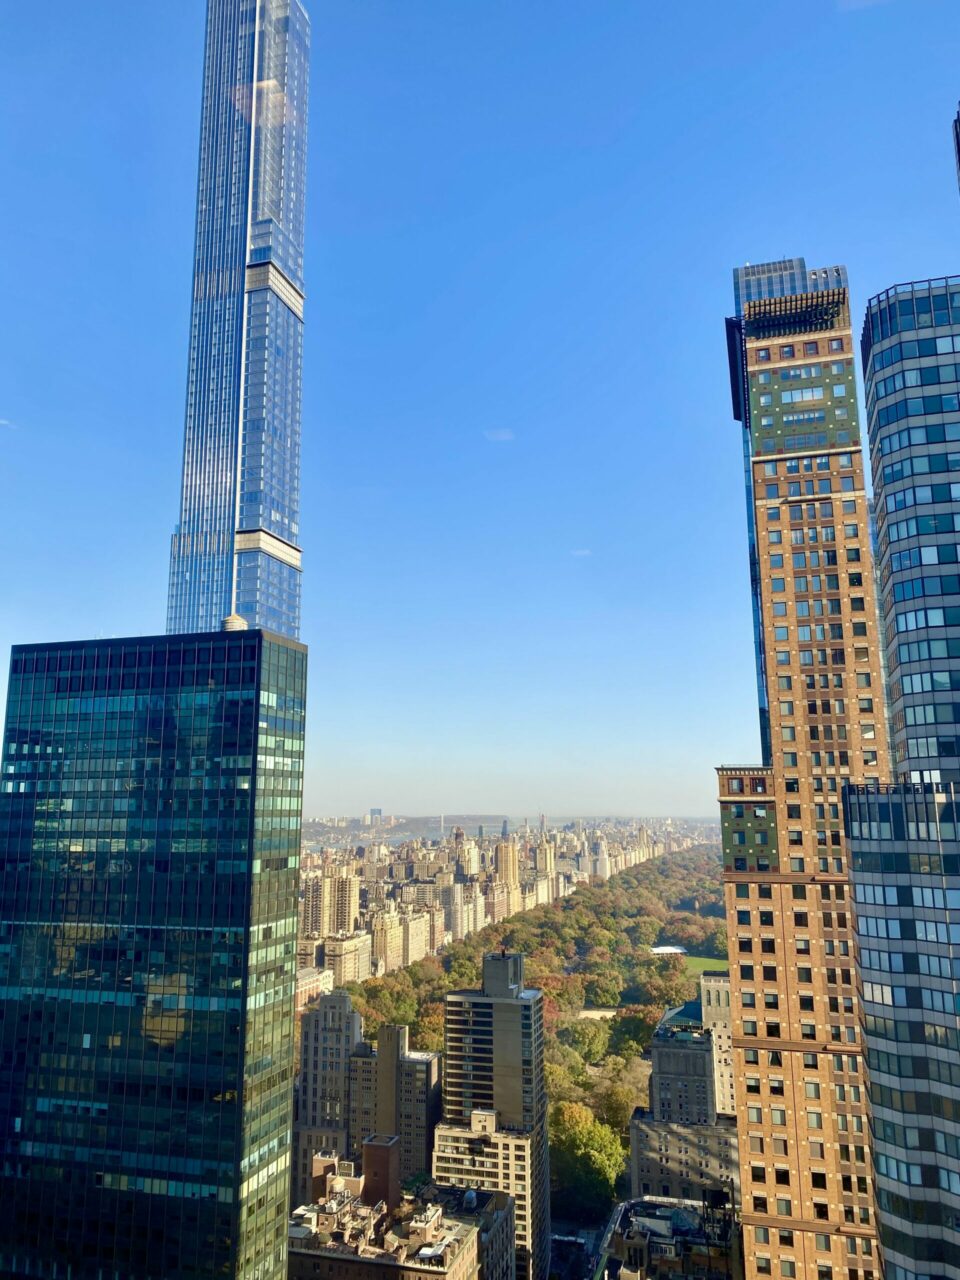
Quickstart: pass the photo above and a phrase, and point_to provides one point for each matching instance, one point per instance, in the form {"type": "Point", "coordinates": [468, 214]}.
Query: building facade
{"type": "Point", "coordinates": [349, 956]}
{"type": "Point", "coordinates": [149, 847]}
{"type": "Point", "coordinates": [715, 1012]}
{"type": "Point", "coordinates": [329, 1034]}
{"type": "Point", "coordinates": [493, 1078]}
{"type": "Point", "coordinates": [904, 838]}
{"type": "Point", "coordinates": [396, 1090]}
{"type": "Point", "coordinates": [236, 545]}
{"type": "Point", "coordinates": [805, 1176]}
{"type": "Point", "coordinates": [683, 1145]}
{"type": "Point", "coordinates": [483, 1156]}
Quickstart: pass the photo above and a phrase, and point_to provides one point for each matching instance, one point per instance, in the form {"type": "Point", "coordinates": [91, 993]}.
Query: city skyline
{"type": "Point", "coordinates": [455, 474]}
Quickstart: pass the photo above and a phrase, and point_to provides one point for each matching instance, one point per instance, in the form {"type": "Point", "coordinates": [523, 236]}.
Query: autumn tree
{"type": "Point", "coordinates": [586, 1159]}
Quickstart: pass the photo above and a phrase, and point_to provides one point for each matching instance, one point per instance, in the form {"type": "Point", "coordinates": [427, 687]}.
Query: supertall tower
{"type": "Point", "coordinates": [236, 546]}
{"type": "Point", "coordinates": [805, 1175]}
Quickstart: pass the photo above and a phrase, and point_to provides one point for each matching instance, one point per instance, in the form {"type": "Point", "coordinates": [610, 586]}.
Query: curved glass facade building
{"type": "Point", "coordinates": [904, 838]}
{"type": "Point", "coordinates": [236, 546]}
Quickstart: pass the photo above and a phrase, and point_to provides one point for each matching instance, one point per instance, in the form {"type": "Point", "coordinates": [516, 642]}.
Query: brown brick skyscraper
{"type": "Point", "coordinates": [805, 1177]}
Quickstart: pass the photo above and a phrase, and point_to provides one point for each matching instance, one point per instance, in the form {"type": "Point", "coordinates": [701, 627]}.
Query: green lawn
{"type": "Point", "coordinates": [698, 964]}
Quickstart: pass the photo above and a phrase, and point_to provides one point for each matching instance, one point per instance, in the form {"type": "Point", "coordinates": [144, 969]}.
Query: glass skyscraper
{"type": "Point", "coordinates": [905, 837]}
{"type": "Point", "coordinates": [149, 851]}
{"type": "Point", "coordinates": [236, 546]}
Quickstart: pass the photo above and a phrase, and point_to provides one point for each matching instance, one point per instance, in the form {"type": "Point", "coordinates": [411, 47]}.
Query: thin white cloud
{"type": "Point", "coordinates": [499, 435]}
{"type": "Point", "coordinates": [581, 552]}
{"type": "Point", "coordinates": [10, 426]}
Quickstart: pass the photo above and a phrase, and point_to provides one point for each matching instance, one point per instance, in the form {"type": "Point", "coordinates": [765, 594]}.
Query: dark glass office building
{"type": "Point", "coordinates": [905, 838]}
{"type": "Point", "coordinates": [149, 844]}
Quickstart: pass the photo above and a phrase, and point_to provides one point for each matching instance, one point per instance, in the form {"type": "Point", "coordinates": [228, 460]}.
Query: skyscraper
{"type": "Point", "coordinates": [236, 546]}
{"type": "Point", "coordinates": [494, 1131]}
{"type": "Point", "coordinates": [805, 1175]}
{"type": "Point", "coordinates": [905, 838]}
{"type": "Point", "coordinates": [149, 845]}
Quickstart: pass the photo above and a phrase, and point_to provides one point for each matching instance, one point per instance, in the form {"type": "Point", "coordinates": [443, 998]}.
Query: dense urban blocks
{"type": "Point", "coordinates": [149, 847]}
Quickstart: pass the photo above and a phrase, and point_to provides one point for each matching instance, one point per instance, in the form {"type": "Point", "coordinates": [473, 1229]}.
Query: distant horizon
{"type": "Point", "coordinates": [500, 816]}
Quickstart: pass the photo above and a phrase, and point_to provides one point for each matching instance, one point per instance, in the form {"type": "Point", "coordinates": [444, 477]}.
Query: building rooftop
{"type": "Point", "coordinates": [415, 1235]}
{"type": "Point", "coordinates": [691, 1231]}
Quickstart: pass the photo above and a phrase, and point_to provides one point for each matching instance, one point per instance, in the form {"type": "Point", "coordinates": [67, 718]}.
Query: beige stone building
{"type": "Point", "coordinates": [350, 956]}
{"type": "Point", "coordinates": [395, 1090]}
{"type": "Point", "coordinates": [329, 1035]}
{"type": "Point", "coordinates": [682, 1146]}
{"type": "Point", "coordinates": [481, 1155]}
{"type": "Point", "coordinates": [715, 1012]}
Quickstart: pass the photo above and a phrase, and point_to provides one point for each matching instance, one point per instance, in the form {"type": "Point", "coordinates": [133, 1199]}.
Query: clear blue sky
{"type": "Point", "coordinates": [526, 582]}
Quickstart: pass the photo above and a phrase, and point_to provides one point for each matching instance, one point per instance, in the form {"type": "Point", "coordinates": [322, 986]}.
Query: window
{"type": "Point", "coordinates": [763, 353]}
{"type": "Point", "coordinates": [836, 344]}
{"type": "Point", "coordinates": [787, 352]}
{"type": "Point", "coordinates": [811, 348]}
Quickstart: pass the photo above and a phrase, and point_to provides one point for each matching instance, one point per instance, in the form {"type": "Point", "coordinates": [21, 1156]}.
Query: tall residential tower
{"type": "Point", "coordinates": [494, 1131]}
{"type": "Point", "coordinates": [805, 1175]}
{"type": "Point", "coordinates": [236, 546]}
{"type": "Point", "coordinates": [905, 838]}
